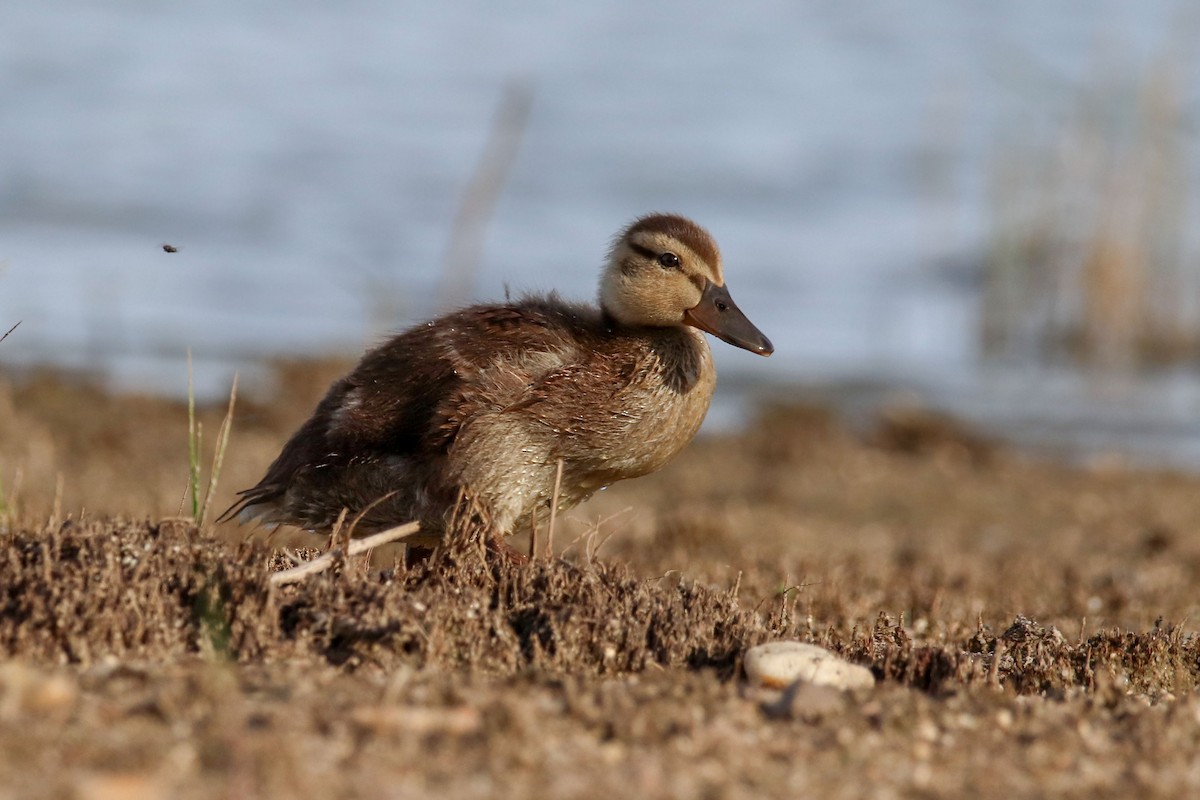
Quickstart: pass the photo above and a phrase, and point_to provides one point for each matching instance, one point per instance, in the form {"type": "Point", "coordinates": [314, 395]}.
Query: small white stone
{"type": "Point", "coordinates": [778, 664]}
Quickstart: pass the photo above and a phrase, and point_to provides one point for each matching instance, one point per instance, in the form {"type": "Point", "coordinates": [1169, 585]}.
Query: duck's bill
{"type": "Point", "coordinates": [717, 314]}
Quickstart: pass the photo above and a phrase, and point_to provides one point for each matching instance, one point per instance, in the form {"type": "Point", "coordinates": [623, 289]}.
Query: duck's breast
{"type": "Point", "coordinates": [661, 405]}
{"type": "Point", "coordinates": [625, 407]}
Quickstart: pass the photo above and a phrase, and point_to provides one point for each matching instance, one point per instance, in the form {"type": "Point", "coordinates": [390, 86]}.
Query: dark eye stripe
{"type": "Point", "coordinates": [645, 252]}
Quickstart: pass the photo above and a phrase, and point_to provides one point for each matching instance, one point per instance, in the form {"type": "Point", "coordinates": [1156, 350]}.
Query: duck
{"type": "Point", "coordinates": [517, 406]}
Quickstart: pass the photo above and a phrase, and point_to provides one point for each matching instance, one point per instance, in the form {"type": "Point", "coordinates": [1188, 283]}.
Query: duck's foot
{"type": "Point", "coordinates": [416, 555]}
{"type": "Point", "coordinates": [496, 549]}
{"type": "Point", "coordinates": [501, 550]}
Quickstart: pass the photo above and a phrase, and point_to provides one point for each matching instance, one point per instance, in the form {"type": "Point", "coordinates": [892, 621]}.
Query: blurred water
{"type": "Point", "coordinates": [307, 159]}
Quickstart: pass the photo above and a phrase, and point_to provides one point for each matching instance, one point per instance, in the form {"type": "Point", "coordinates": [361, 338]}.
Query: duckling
{"type": "Point", "coordinates": [483, 403]}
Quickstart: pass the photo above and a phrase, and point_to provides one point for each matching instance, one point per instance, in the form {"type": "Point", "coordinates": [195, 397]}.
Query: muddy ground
{"type": "Point", "coordinates": [1032, 625]}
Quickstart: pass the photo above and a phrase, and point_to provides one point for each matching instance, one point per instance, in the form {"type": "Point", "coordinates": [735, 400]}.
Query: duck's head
{"type": "Point", "coordinates": [665, 270]}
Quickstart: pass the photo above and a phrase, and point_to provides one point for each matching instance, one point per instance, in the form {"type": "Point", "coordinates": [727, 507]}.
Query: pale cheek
{"type": "Point", "coordinates": [689, 297]}
{"type": "Point", "coordinates": [668, 300]}
{"type": "Point", "coordinates": [660, 306]}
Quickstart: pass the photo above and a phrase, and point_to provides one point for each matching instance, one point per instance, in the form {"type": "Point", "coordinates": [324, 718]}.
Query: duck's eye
{"type": "Point", "coordinates": [669, 260]}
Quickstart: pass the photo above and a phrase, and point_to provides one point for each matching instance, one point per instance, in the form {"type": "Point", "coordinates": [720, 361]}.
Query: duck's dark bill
{"type": "Point", "coordinates": [717, 314]}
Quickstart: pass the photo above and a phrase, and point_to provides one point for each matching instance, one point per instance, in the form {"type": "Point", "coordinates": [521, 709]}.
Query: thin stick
{"type": "Point", "coordinates": [356, 547]}
{"type": "Point", "coordinates": [594, 529]}
{"type": "Point", "coordinates": [554, 510]}
{"type": "Point", "coordinates": [357, 519]}
{"type": "Point", "coordinates": [591, 555]}
{"type": "Point", "coordinates": [10, 330]}
{"type": "Point", "coordinates": [994, 670]}
{"type": "Point", "coordinates": [533, 533]}
{"type": "Point", "coordinates": [183, 499]}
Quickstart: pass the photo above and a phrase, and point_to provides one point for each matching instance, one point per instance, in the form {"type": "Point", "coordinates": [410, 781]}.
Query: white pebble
{"type": "Point", "coordinates": [777, 664]}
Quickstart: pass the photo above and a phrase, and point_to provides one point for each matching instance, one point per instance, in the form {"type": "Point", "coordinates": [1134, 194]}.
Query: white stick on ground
{"type": "Point", "coordinates": [357, 546]}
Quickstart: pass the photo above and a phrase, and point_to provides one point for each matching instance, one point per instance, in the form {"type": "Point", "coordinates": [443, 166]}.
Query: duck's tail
{"type": "Point", "coordinates": [253, 504]}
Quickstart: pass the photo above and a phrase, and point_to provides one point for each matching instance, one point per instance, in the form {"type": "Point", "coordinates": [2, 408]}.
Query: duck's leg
{"type": "Point", "coordinates": [497, 547]}
{"type": "Point", "coordinates": [473, 520]}
{"type": "Point", "coordinates": [416, 555]}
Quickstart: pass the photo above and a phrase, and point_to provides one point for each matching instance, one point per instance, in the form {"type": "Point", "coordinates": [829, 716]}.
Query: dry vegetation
{"type": "Point", "coordinates": [1032, 625]}
{"type": "Point", "coordinates": [1092, 258]}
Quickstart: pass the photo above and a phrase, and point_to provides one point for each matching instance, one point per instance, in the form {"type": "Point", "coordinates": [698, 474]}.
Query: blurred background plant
{"type": "Point", "coordinates": [966, 202]}
{"type": "Point", "coordinates": [1090, 259]}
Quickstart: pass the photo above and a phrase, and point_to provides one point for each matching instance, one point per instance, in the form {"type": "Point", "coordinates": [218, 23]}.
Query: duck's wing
{"type": "Point", "coordinates": [406, 400]}
{"type": "Point", "coordinates": [382, 409]}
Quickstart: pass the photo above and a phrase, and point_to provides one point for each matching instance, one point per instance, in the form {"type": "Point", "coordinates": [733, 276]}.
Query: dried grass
{"type": "Point", "coordinates": [1020, 616]}
{"type": "Point", "coordinates": [84, 593]}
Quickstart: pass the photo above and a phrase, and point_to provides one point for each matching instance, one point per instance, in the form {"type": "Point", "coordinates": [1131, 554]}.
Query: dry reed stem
{"type": "Point", "coordinates": [554, 509]}
{"type": "Point", "coordinates": [533, 534]}
{"type": "Point", "coordinates": [356, 547]}
{"type": "Point", "coordinates": [359, 516]}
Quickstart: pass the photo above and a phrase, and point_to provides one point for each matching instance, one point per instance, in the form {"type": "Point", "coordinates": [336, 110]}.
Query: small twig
{"type": "Point", "coordinates": [183, 498]}
{"type": "Point", "coordinates": [594, 530]}
{"type": "Point", "coordinates": [356, 547]}
{"type": "Point", "coordinates": [533, 533]}
{"type": "Point", "coordinates": [594, 548]}
{"type": "Point", "coordinates": [359, 516]}
{"type": "Point", "coordinates": [336, 539]}
{"type": "Point", "coordinates": [349, 535]}
{"type": "Point", "coordinates": [10, 330]}
{"type": "Point", "coordinates": [554, 510]}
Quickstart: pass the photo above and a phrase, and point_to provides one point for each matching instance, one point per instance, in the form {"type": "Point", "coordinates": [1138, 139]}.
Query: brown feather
{"type": "Point", "coordinates": [482, 403]}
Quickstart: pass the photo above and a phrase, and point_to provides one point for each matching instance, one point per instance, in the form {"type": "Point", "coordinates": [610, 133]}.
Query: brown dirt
{"type": "Point", "coordinates": [1032, 625]}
